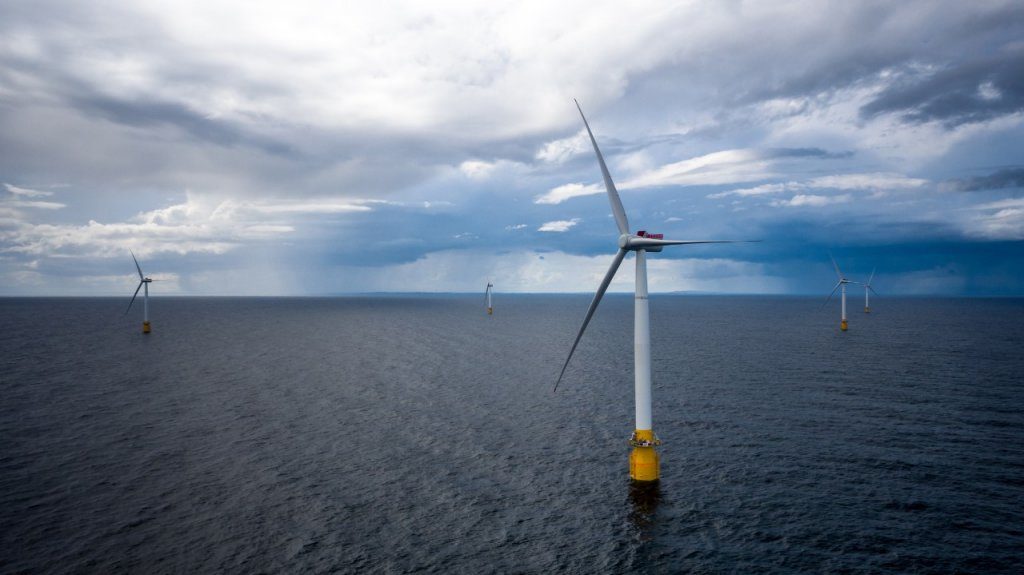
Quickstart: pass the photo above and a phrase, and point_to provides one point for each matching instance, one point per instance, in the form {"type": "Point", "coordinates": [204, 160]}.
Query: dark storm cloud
{"type": "Point", "coordinates": [151, 113]}
{"type": "Point", "coordinates": [1000, 180]}
{"type": "Point", "coordinates": [974, 91]}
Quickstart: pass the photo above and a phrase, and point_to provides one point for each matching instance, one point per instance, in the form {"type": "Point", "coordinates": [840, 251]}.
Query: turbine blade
{"type": "Point", "coordinates": [832, 294]}
{"type": "Point", "coordinates": [834, 264]}
{"type": "Point", "coordinates": [613, 195]}
{"type": "Point", "coordinates": [133, 298]}
{"type": "Point", "coordinates": [635, 242]}
{"type": "Point", "coordinates": [871, 277]}
{"type": "Point", "coordinates": [593, 306]}
{"type": "Point", "coordinates": [872, 289]}
{"type": "Point", "coordinates": [136, 264]}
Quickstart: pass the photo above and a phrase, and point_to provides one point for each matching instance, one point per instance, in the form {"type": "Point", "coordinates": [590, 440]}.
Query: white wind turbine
{"type": "Point", "coordinates": [643, 461]}
{"type": "Point", "coordinates": [487, 293]}
{"type": "Point", "coordinates": [867, 288]}
{"type": "Point", "coordinates": [842, 284]}
{"type": "Point", "coordinates": [143, 281]}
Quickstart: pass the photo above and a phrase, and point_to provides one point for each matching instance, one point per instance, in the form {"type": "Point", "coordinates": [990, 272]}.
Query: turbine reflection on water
{"type": "Point", "coordinates": [644, 497]}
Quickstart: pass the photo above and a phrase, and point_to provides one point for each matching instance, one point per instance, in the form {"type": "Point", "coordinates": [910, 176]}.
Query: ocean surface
{"type": "Point", "coordinates": [418, 434]}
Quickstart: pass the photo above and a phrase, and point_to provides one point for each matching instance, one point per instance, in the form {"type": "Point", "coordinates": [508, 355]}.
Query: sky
{"type": "Point", "coordinates": [313, 148]}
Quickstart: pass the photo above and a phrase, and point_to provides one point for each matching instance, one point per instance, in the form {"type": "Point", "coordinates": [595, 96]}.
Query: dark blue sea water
{"type": "Point", "coordinates": [417, 434]}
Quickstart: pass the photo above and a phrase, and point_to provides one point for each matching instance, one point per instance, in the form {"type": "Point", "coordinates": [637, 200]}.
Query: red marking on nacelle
{"type": "Point", "coordinates": [644, 234]}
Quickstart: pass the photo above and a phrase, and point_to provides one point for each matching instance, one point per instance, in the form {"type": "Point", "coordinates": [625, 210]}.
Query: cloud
{"type": "Point", "coordinates": [35, 204]}
{"type": "Point", "coordinates": [514, 227]}
{"type": "Point", "coordinates": [558, 225]}
{"type": "Point", "coordinates": [559, 151]}
{"type": "Point", "coordinates": [723, 167]}
{"type": "Point", "coordinates": [567, 191]}
{"type": "Point", "coordinates": [878, 182]}
{"type": "Point", "coordinates": [811, 200]}
{"type": "Point", "coordinates": [870, 181]}
{"type": "Point", "coordinates": [26, 192]}
{"type": "Point", "coordinates": [761, 190]}
{"type": "Point", "coordinates": [197, 225]}
{"type": "Point", "coordinates": [1001, 220]}
{"type": "Point", "coordinates": [976, 90]}
{"type": "Point", "coordinates": [998, 180]}
{"type": "Point", "coordinates": [11, 205]}
{"type": "Point", "coordinates": [476, 169]}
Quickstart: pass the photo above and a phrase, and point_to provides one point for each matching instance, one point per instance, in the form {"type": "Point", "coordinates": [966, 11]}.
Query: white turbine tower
{"type": "Point", "coordinates": [867, 288]}
{"type": "Point", "coordinates": [643, 460]}
{"type": "Point", "coordinates": [490, 308]}
{"type": "Point", "coordinates": [842, 284]}
{"type": "Point", "coordinates": [143, 281]}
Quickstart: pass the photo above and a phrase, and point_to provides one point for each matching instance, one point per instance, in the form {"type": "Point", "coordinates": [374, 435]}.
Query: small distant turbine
{"type": "Point", "coordinates": [867, 288]}
{"type": "Point", "coordinates": [644, 460]}
{"type": "Point", "coordinates": [143, 281]}
{"type": "Point", "coordinates": [487, 293]}
{"type": "Point", "coordinates": [842, 284]}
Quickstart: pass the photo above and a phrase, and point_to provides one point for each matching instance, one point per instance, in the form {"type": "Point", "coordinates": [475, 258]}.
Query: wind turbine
{"type": "Point", "coordinates": [143, 281]}
{"type": "Point", "coordinates": [490, 308]}
{"type": "Point", "coordinates": [842, 284]}
{"type": "Point", "coordinates": [643, 460]}
{"type": "Point", "coordinates": [867, 288]}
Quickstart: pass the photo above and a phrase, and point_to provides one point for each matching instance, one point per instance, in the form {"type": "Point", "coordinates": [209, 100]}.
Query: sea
{"type": "Point", "coordinates": [417, 434]}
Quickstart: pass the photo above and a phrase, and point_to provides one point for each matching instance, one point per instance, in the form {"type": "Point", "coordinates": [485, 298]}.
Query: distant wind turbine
{"type": "Point", "coordinates": [867, 288]}
{"type": "Point", "coordinates": [842, 284]}
{"type": "Point", "coordinates": [487, 292]}
{"type": "Point", "coordinates": [644, 460]}
{"type": "Point", "coordinates": [143, 281]}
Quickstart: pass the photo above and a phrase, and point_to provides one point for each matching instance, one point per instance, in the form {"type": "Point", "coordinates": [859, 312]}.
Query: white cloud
{"type": "Point", "coordinates": [197, 225]}
{"type": "Point", "coordinates": [724, 167]}
{"type": "Point", "coordinates": [558, 151]}
{"type": "Point", "coordinates": [10, 205]}
{"type": "Point", "coordinates": [312, 206]}
{"type": "Point", "coordinates": [867, 181]}
{"type": "Point", "coordinates": [812, 200]}
{"type": "Point", "coordinates": [988, 91]}
{"type": "Point", "coordinates": [558, 225]}
{"type": "Point", "coordinates": [878, 182]}
{"type": "Point", "coordinates": [514, 227]}
{"type": "Point", "coordinates": [26, 192]}
{"type": "Point", "coordinates": [476, 169]}
{"type": "Point", "coordinates": [1002, 220]}
{"type": "Point", "coordinates": [567, 191]}
{"type": "Point", "coordinates": [759, 190]}
{"type": "Point", "coordinates": [36, 205]}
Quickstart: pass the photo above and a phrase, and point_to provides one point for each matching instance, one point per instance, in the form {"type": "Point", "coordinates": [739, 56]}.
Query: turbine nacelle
{"type": "Point", "coordinates": [642, 241]}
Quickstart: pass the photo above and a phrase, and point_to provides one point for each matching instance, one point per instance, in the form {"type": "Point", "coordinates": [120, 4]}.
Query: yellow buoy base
{"type": "Point", "coordinates": [643, 460]}
{"type": "Point", "coordinates": [145, 327]}
{"type": "Point", "coordinates": [490, 310]}
{"type": "Point", "coordinates": [842, 325]}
